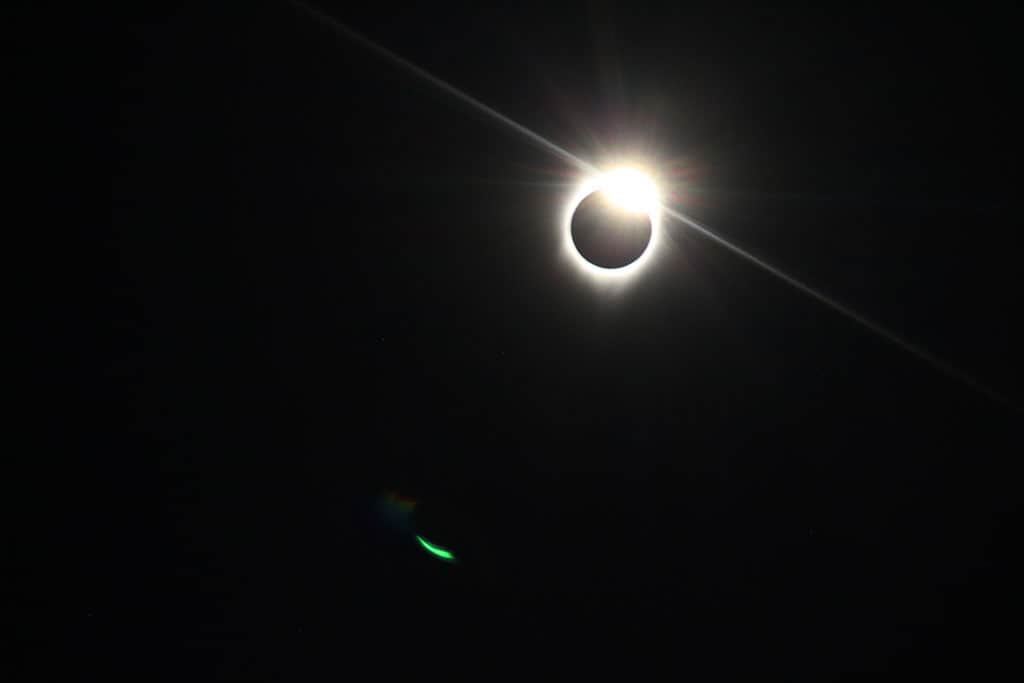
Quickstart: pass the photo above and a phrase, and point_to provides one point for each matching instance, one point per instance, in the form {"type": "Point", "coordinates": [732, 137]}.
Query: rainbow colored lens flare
{"type": "Point", "coordinates": [436, 551]}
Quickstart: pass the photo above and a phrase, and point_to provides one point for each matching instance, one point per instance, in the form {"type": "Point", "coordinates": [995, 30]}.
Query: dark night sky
{"type": "Point", "coordinates": [323, 279]}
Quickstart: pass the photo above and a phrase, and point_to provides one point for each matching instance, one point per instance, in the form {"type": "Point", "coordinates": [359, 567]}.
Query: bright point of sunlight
{"type": "Point", "coordinates": [630, 189]}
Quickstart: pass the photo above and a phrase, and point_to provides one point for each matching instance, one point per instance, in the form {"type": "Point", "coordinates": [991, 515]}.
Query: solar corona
{"type": "Point", "coordinates": [611, 222]}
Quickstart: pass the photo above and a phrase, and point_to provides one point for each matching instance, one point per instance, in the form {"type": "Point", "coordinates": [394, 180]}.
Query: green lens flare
{"type": "Point", "coordinates": [436, 551]}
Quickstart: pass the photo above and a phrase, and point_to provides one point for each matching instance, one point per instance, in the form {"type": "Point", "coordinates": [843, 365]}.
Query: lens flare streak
{"type": "Point", "coordinates": [435, 550]}
{"type": "Point", "coordinates": [589, 169]}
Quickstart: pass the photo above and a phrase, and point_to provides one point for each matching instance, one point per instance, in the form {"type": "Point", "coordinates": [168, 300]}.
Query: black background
{"type": "Point", "coordinates": [323, 278]}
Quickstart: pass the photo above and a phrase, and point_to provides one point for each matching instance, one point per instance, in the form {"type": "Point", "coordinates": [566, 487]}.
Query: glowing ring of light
{"type": "Point", "coordinates": [610, 182]}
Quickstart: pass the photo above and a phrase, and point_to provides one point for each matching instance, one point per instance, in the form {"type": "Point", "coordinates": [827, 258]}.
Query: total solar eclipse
{"type": "Point", "coordinates": [611, 225]}
{"type": "Point", "coordinates": [608, 235]}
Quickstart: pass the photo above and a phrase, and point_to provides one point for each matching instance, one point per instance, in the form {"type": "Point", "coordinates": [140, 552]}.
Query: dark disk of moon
{"type": "Point", "coordinates": [607, 235]}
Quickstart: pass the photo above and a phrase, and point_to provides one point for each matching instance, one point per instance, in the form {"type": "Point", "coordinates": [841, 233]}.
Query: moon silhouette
{"type": "Point", "coordinates": [608, 235]}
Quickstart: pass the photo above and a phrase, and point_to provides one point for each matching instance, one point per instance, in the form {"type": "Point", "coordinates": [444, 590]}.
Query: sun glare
{"type": "Point", "coordinates": [630, 189]}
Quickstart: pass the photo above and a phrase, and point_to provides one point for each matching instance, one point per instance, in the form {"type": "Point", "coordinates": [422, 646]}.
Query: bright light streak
{"type": "Point", "coordinates": [436, 551]}
{"type": "Point", "coordinates": [931, 359]}
{"type": "Point", "coordinates": [633, 197]}
{"type": "Point", "coordinates": [443, 86]}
